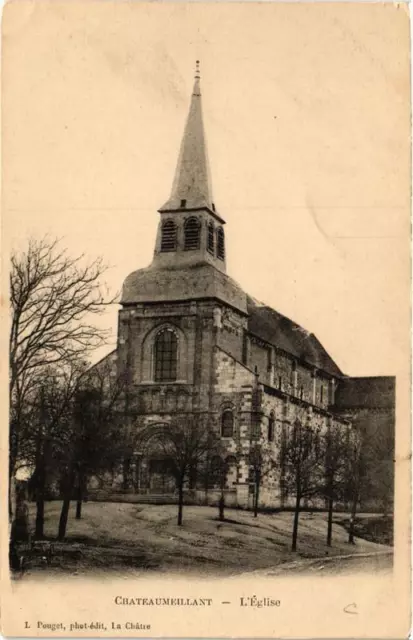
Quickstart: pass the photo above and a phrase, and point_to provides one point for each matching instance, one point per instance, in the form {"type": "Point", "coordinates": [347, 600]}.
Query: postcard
{"type": "Point", "coordinates": [206, 319]}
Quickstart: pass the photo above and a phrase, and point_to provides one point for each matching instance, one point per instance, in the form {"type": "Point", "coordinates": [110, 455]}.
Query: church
{"type": "Point", "coordinates": [195, 345]}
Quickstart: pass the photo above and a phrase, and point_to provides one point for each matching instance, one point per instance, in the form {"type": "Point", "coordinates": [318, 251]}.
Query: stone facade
{"type": "Point", "coordinates": [233, 358]}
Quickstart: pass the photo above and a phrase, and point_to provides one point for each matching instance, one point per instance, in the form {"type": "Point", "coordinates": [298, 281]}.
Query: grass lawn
{"type": "Point", "coordinates": [142, 538]}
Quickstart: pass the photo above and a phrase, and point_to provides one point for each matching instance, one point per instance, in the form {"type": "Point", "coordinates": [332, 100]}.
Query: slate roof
{"type": "Point", "coordinates": [196, 282]}
{"type": "Point", "coordinates": [192, 182]}
{"type": "Point", "coordinates": [278, 330]}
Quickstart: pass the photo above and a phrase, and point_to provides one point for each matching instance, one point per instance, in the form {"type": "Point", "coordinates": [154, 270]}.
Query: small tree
{"type": "Point", "coordinates": [262, 461]}
{"type": "Point", "coordinates": [45, 429]}
{"type": "Point", "coordinates": [336, 454]}
{"type": "Point", "coordinates": [184, 444]}
{"type": "Point", "coordinates": [355, 472]}
{"type": "Point", "coordinates": [55, 400]}
{"type": "Point", "coordinates": [95, 437]}
{"type": "Point", "coordinates": [301, 463]}
{"type": "Point", "coordinates": [219, 473]}
{"type": "Point", "coordinates": [210, 468]}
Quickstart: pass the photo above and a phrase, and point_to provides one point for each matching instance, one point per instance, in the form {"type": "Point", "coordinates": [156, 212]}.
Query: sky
{"type": "Point", "coordinates": [306, 111]}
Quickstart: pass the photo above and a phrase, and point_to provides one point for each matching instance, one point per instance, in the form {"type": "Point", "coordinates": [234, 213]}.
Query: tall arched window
{"type": "Point", "coordinates": [211, 238]}
{"type": "Point", "coordinates": [220, 243]}
{"type": "Point", "coordinates": [271, 422]}
{"type": "Point", "coordinates": [227, 424]}
{"type": "Point", "coordinates": [166, 356]}
{"type": "Point", "coordinates": [168, 236]}
{"type": "Point", "coordinates": [192, 234]}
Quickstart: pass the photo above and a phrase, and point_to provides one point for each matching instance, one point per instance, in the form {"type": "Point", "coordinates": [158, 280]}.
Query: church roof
{"type": "Point", "coordinates": [197, 282]}
{"type": "Point", "coordinates": [279, 331]}
{"type": "Point", "coordinates": [191, 188]}
{"type": "Point", "coordinates": [179, 279]}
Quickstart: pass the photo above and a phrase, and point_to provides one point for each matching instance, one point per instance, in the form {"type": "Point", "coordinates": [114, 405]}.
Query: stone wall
{"type": "Point", "coordinates": [282, 371]}
{"type": "Point", "coordinates": [369, 402]}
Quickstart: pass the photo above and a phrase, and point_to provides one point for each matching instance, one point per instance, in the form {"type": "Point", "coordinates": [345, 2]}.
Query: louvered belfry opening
{"type": "Point", "coordinates": [192, 232]}
{"type": "Point", "coordinates": [211, 238]}
{"type": "Point", "coordinates": [168, 240]}
{"type": "Point", "coordinates": [220, 243]}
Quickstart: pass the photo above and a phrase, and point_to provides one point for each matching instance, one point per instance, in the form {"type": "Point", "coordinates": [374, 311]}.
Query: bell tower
{"type": "Point", "coordinates": [190, 230]}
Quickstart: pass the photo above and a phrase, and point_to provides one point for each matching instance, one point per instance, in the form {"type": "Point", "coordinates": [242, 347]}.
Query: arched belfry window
{"type": "Point", "coordinates": [211, 238]}
{"type": "Point", "coordinates": [166, 356]}
{"type": "Point", "coordinates": [192, 234]}
{"type": "Point", "coordinates": [168, 237]}
{"type": "Point", "coordinates": [220, 243]}
{"type": "Point", "coordinates": [227, 424]}
{"type": "Point", "coordinates": [271, 428]}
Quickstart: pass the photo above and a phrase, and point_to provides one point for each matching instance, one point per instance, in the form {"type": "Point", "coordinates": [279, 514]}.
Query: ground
{"type": "Point", "coordinates": [141, 538]}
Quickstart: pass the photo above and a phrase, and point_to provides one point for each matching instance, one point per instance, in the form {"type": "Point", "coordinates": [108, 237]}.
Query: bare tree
{"type": "Point", "coordinates": [50, 433]}
{"type": "Point", "coordinates": [301, 463]}
{"type": "Point", "coordinates": [209, 470]}
{"type": "Point", "coordinates": [184, 444]}
{"type": "Point", "coordinates": [262, 461]}
{"type": "Point", "coordinates": [337, 449]}
{"type": "Point", "coordinates": [53, 299]}
{"type": "Point", "coordinates": [355, 474]}
{"type": "Point", "coordinates": [95, 437]}
{"type": "Point", "coordinates": [218, 473]}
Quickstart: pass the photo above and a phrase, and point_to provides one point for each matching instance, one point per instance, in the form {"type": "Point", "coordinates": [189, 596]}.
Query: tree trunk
{"type": "Point", "coordinates": [330, 504]}
{"type": "Point", "coordinates": [65, 506]}
{"type": "Point", "coordinates": [180, 501]}
{"type": "Point", "coordinates": [221, 507]}
{"type": "Point", "coordinates": [295, 527]}
{"type": "Point", "coordinates": [257, 495]}
{"type": "Point", "coordinates": [330, 521]}
{"type": "Point", "coordinates": [13, 451]}
{"type": "Point", "coordinates": [10, 492]}
{"type": "Point", "coordinates": [79, 496]}
{"type": "Point", "coordinates": [256, 498]}
{"type": "Point", "coordinates": [126, 473]}
{"type": "Point", "coordinates": [79, 504]}
{"type": "Point", "coordinates": [40, 491]}
{"type": "Point", "coordinates": [352, 518]}
{"type": "Point", "coordinates": [63, 517]}
{"type": "Point", "coordinates": [39, 529]}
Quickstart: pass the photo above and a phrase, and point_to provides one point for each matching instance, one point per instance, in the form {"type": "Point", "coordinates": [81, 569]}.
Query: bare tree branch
{"type": "Point", "coordinates": [54, 299]}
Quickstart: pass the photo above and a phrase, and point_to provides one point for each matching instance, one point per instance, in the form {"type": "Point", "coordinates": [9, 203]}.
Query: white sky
{"type": "Point", "coordinates": [306, 111]}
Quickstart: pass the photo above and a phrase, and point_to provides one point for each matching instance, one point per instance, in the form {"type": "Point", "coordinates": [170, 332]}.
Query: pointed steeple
{"type": "Point", "coordinates": [192, 187]}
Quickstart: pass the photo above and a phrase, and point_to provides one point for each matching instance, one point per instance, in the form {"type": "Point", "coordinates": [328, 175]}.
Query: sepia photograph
{"type": "Point", "coordinates": [206, 222]}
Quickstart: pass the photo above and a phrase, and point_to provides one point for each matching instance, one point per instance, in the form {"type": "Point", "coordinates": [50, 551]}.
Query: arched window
{"type": "Point", "coordinates": [271, 428]}
{"type": "Point", "coordinates": [168, 237]}
{"type": "Point", "coordinates": [220, 243]}
{"type": "Point", "coordinates": [166, 356]}
{"type": "Point", "coordinates": [211, 238]}
{"type": "Point", "coordinates": [192, 231]}
{"type": "Point", "coordinates": [227, 424]}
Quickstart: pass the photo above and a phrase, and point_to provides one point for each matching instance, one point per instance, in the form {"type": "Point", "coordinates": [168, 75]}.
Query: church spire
{"type": "Point", "coordinates": [192, 187]}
